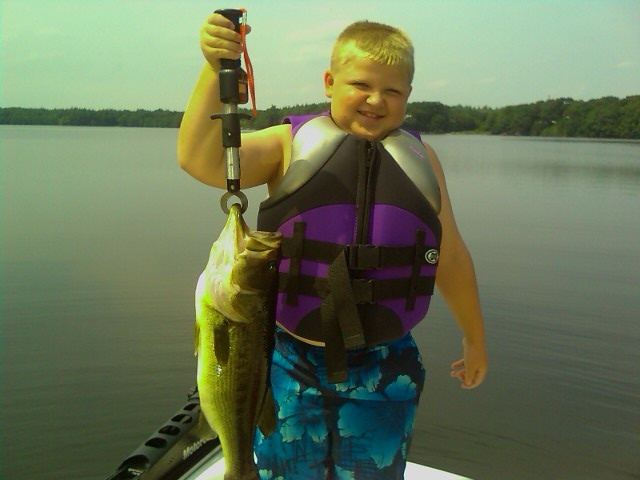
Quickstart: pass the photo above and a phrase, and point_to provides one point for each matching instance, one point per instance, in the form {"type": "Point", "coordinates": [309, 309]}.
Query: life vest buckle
{"type": "Point", "coordinates": [363, 257]}
{"type": "Point", "coordinates": [363, 290]}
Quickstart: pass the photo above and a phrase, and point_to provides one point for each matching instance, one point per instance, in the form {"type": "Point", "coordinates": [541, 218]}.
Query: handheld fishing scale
{"type": "Point", "coordinates": [234, 90]}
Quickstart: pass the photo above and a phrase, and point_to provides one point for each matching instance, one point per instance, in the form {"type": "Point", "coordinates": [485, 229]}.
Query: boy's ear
{"type": "Point", "coordinates": [328, 83]}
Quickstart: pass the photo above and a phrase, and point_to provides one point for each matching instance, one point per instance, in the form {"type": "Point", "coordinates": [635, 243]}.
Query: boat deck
{"type": "Point", "coordinates": [212, 468]}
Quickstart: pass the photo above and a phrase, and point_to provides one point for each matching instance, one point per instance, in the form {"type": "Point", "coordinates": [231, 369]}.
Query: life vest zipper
{"type": "Point", "coordinates": [367, 174]}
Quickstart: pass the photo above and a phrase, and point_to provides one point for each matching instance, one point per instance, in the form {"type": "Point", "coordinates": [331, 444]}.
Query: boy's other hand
{"type": "Point", "coordinates": [472, 368]}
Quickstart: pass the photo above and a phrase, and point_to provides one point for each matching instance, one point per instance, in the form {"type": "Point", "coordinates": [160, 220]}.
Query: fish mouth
{"type": "Point", "coordinates": [261, 235]}
{"type": "Point", "coordinates": [259, 241]}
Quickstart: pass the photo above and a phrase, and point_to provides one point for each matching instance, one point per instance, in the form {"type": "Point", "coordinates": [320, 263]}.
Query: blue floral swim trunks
{"type": "Point", "coordinates": [358, 429]}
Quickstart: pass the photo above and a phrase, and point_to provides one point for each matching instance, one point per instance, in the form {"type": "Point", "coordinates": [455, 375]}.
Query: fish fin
{"type": "Point", "coordinates": [202, 429]}
{"type": "Point", "coordinates": [196, 338]}
{"type": "Point", "coordinates": [267, 416]}
{"type": "Point", "coordinates": [221, 342]}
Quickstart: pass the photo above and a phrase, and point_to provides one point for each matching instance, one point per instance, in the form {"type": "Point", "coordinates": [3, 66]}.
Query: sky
{"type": "Point", "coordinates": [145, 54]}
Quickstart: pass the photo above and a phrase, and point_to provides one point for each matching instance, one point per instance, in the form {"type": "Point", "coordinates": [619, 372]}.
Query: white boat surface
{"type": "Point", "coordinates": [212, 468]}
{"type": "Point", "coordinates": [176, 451]}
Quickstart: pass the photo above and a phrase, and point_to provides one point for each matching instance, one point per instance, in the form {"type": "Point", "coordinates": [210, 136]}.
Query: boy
{"type": "Point", "coordinates": [367, 219]}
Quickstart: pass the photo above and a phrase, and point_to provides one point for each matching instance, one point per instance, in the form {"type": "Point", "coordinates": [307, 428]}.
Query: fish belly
{"type": "Point", "coordinates": [233, 392]}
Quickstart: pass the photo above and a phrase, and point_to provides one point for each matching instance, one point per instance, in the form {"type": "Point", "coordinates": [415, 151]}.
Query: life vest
{"type": "Point", "coordinates": [361, 237]}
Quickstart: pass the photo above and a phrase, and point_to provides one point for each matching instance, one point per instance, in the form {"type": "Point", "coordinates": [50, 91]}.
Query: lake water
{"type": "Point", "coordinates": [103, 238]}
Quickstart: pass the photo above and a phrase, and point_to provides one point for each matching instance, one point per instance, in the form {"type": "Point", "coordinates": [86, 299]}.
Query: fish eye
{"type": "Point", "coordinates": [272, 265]}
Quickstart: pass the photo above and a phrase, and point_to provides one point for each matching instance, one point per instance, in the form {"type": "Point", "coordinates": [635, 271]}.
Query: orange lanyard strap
{"type": "Point", "coordinates": [247, 61]}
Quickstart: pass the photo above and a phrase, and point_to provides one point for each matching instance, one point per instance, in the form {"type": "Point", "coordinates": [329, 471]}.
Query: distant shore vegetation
{"type": "Point", "coordinates": [607, 117]}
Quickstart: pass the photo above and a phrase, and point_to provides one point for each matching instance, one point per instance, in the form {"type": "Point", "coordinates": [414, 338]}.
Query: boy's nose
{"type": "Point", "coordinates": [374, 98]}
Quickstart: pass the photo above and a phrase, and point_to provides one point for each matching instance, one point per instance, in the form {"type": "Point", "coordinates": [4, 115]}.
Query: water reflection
{"type": "Point", "coordinates": [604, 162]}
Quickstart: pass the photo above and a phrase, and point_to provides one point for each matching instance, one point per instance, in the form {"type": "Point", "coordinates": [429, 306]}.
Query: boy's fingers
{"type": "Point", "coordinates": [473, 380]}
{"type": "Point", "coordinates": [468, 379]}
{"type": "Point", "coordinates": [220, 20]}
{"type": "Point", "coordinates": [458, 363]}
{"type": "Point", "coordinates": [222, 33]}
{"type": "Point", "coordinates": [217, 20]}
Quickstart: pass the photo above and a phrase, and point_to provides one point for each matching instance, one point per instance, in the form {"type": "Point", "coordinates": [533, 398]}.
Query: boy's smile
{"type": "Point", "coordinates": [368, 99]}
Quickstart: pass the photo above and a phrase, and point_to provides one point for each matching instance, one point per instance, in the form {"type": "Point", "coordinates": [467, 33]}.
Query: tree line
{"type": "Point", "coordinates": [83, 117]}
{"type": "Point", "coordinates": [607, 117]}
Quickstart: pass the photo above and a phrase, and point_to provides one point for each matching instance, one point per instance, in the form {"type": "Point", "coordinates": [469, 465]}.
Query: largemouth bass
{"type": "Point", "coordinates": [234, 339]}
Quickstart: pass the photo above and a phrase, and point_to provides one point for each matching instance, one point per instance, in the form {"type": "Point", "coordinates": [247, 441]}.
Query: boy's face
{"type": "Point", "coordinates": [368, 99]}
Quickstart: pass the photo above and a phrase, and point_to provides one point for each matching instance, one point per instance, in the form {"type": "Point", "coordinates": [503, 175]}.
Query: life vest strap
{"type": "Point", "coordinates": [340, 320]}
{"type": "Point", "coordinates": [358, 257]}
{"type": "Point", "coordinates": [365, 290]}
{"type": "Point", "coordinates": [415, 273]}
{"type": "Point", "coordinates": [296, 247]}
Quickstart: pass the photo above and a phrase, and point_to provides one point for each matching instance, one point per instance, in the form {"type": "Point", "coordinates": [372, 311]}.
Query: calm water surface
{"type": "Point", "coordinates": [103, 238]}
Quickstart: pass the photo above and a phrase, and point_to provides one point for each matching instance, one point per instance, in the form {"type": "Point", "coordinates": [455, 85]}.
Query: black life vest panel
{"type": "Point", "coordinates": [361, 237]}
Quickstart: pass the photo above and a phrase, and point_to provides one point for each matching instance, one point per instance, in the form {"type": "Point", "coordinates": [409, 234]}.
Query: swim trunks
{"type": "Point", "coordinates": [358, 429]}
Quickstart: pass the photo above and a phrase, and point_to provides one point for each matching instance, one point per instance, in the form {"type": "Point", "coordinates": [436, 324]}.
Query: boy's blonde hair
{"type": "Point", "coordinates": [381, 43]}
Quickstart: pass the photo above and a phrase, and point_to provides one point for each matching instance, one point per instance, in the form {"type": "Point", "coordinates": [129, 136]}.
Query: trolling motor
{"type": "Point", "coordinates": [233, 91]}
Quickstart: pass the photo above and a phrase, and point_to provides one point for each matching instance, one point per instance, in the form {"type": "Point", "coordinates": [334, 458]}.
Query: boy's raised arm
{"type": "Point", "coordinates": [200, 150]}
